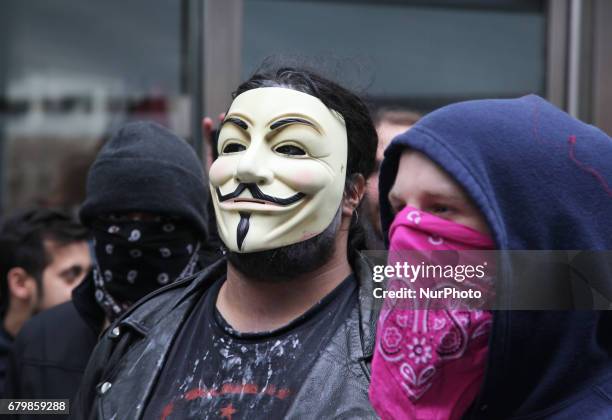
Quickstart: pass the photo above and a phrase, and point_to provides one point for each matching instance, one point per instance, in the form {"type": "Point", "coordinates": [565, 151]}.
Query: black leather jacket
{"type": "Point", "coordinates": [126, 363]}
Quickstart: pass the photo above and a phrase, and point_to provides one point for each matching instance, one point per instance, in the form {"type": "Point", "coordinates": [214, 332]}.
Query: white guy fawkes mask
{"type": "Point", "coordinates": [279, 178]}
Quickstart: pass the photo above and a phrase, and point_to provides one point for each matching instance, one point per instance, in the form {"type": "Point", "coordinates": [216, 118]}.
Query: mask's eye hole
{"type": "Point", "coordinates": [291, 150]}
{"type": "Point", "coordinates": [233, 148]}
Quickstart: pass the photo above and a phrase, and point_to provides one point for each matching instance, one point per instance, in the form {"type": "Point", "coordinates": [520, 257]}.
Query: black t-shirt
{"type": "Point", "coordinates": [215, 372]}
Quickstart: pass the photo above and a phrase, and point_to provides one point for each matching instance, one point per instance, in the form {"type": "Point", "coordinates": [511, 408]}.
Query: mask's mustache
{"type": "Point", "coordinates": [259, 195]}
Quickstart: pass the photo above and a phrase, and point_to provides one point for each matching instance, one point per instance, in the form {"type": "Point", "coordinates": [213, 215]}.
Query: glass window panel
{"type": "Point", "coordinates": [73, 71]}
{"type": "Point", "coordinates": [422, 53]}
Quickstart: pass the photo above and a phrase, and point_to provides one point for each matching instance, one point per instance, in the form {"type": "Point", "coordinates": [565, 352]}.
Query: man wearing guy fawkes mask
{"type": "Point", "coordinates": [146, 208]}
{"type": "Point", "coordinates": [285, 327]}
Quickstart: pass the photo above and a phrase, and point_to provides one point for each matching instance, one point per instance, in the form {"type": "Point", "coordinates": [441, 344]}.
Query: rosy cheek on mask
{"type": "Point", "coordinates": [222, 170]}
{"type": "Point", "coordinates": [308, 177]}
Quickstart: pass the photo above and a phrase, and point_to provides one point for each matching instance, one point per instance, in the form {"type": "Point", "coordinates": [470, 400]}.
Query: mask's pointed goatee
{"type": "Point", "coordinates": [243, 228]}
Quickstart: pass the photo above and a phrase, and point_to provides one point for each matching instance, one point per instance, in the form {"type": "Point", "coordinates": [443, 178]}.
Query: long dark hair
{"type": "Point", "coordinates": [361, 133]}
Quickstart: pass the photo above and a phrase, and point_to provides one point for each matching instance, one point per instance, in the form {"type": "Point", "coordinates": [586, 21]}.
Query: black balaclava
{"type": "Point", "coordinates": [144, 169]}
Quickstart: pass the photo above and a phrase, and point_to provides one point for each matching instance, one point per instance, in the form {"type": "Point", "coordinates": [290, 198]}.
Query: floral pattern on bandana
{"type": "Point", "coordinates": [429, 363]}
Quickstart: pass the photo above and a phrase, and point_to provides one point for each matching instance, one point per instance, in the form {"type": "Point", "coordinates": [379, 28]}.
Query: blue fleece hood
{"type": "Point", "coordinates": [543, 181]}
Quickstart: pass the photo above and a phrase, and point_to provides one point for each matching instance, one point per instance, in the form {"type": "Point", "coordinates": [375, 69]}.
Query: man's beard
{"type": "Point", "coordinates": [284, 263]}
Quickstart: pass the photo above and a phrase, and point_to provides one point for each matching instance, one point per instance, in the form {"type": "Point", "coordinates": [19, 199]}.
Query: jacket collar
{"type": "Point", "coordinates": [145, 315]}
{"type": "Point", "coordinates": [368, 309]}
{"type": "Point", "coordinates": [84, 300]}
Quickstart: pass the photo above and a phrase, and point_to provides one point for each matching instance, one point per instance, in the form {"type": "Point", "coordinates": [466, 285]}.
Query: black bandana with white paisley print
{"type": "Point", "coordinates": [133, 258]}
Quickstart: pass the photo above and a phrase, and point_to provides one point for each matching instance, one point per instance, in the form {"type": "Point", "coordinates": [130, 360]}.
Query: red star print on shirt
{"type": "Point", "coordinates": [227, 411]}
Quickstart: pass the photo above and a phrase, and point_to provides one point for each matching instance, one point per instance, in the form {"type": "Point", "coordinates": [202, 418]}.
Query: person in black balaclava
{"type": "Point", "coordinates": [146, 207]}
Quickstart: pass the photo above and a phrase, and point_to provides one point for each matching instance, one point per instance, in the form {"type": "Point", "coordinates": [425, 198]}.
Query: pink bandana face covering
{"type": "Point", "coordinates": [416, 230]}
{"type": "Point", "coordinates": [429, 363]}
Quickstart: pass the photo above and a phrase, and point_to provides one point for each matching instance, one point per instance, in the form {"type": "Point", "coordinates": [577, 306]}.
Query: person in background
{"type": "Point", "coordinates": [146, 207]}
{"type": "Point", "coordinates": [512, 174]}
{"type": "Point", "coordinates": [389, 123]}
{"type": "Point", "coordinates": [44, 255]}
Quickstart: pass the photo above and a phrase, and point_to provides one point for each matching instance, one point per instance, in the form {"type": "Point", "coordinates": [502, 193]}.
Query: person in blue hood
{"type": "Point", "coordinates": [539, 180]}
